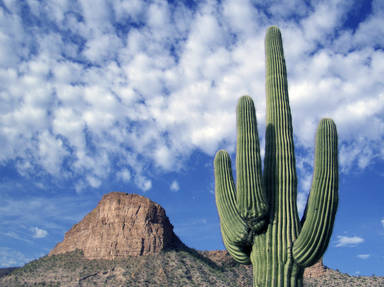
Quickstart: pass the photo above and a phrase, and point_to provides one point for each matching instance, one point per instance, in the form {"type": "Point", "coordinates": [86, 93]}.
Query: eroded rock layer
{"type": "Point", "coordinates": [121, 225]}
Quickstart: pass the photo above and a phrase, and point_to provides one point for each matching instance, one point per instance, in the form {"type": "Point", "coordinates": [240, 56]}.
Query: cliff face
{"type": "Point", "coordinates": [121, 225]}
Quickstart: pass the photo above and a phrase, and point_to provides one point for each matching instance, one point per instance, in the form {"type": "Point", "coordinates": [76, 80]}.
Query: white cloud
{"type": "Point", "coordinates": [241, 16]}
{"type": "Point", "coordinates": [363, 256]}
{"type": "Point", "coordinates": [94, 181]}
{"type": "Point", "coordinates": [368, 30]}
{"type": "Point", "coordinates": [174, 186]}
{"type": "Point", "coordinates": [301, 202]}
{"type": "Point", "coordinates": [51, 152]}
{"type": "Point", "coordinates": [102, 48]}
{"type": "Point", "coordinates": [382, 222]}
{"type": "Point", "coordinates": [143, 183]}
{"type": "Point", "coordinates": [286, 8]}
{"type": "Point", "coordinates": [325, 17]}
{"type": "Point", "coordinates": [11, 258]}
{"type": "Point", "coordinates": [163, 157]}
{"type": "Point", "coordinates": [348, 241]}
{"type": "Point", "coordinates": [98, 19]}
{"type": "Point", "coordinates": [39, 233]}
{"type": "Point", "coordinates": [124, 175]}
{"type": "Point", "coordinates": [78, 98]}
{"type": "Point", "coordinates": [125, 10]}
{"type": "Point", "coordinates": [158, 17]}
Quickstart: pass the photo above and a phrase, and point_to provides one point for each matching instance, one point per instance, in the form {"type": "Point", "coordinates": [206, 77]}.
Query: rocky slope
{"type": "Point", "coordinates": [169, 268]}
{"type": "Point", "coordinates": [121, 225]}
{"type": "Point", "coordinates": [127, 240]}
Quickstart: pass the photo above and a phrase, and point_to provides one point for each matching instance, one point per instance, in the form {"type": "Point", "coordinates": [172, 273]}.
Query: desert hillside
{"type": "Point", "coordinates": [168, 268]}
{"type": "Point", "coordinates": [128, 240]}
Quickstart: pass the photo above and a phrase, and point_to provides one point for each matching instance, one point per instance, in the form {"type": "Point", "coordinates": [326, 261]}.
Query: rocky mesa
{"type": "Point", "coordinates": [125, 224]}
{"type": "Point", "coordinates": [121, 225]}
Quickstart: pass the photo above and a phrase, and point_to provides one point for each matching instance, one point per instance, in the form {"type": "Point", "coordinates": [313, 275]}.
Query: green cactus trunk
{"type": "Point", "coordinates": [259, 220]}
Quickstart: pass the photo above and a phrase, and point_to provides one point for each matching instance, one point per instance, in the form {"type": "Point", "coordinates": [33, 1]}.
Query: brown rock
{"type": "Point", "coordinates": [315, 271]}
{"type": "Point", "coordinates": [121, 225]}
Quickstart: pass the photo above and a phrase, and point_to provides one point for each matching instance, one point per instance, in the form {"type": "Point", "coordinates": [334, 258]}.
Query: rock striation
{"type": "Point", "coordinates": [121, 225]}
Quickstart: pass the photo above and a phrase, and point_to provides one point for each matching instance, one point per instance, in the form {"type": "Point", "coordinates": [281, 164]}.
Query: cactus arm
{"type": "Point", "coordinates": [323, 200]}
{"type": "Point", "coordinates": [279, 150]}
{"type": "Point", "coordinates": [251, 199]}
{"type": "Point", "coordinates": [240, 253]}
{"type": "Point", "coordinates": [280, 177]}
{"type": "Point", "coordinates": [234, 229]}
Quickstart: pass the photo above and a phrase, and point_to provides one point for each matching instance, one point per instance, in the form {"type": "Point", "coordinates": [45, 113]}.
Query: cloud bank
{"type": "Point", "coordinates": [125, 87]}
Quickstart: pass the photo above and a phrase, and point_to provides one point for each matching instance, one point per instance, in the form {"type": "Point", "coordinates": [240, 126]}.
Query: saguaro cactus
{"type": "Point", "coordinates": [258, 218]}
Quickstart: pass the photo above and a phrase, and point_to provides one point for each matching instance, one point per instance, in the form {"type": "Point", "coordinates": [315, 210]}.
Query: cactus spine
{"type": "Point", "coordinates": [259, 219]}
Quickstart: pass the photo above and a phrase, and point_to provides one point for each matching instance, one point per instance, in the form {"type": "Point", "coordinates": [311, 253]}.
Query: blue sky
{"type": "Point", "coordinates": [137, 96]}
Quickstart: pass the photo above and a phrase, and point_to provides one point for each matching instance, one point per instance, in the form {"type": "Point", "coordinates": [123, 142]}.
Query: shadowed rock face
{"type": "Point", "coordinates": [121, 225]}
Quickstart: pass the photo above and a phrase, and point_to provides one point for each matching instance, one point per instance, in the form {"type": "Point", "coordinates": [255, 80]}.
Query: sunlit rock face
{"type": "Point", "coordinates": [121, 225]}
